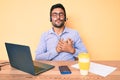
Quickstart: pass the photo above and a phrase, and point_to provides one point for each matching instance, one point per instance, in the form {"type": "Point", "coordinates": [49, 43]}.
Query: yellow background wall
{"type": "Point", "coordinates": [98, 22]}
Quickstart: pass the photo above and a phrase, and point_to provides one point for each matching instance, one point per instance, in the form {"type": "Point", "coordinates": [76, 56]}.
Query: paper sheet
{"type": "Point", "coordinates": [98, 69]}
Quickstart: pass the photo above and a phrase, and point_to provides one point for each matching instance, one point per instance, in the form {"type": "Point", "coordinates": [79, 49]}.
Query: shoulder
{"type": "Point", "coordinates": [72, 31]}
{"type": "Point", "coordinates": [46, 33]}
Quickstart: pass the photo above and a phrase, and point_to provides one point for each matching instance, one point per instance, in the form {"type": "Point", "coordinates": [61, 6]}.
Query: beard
{"type": "Point", "coordinates": [58, 25]}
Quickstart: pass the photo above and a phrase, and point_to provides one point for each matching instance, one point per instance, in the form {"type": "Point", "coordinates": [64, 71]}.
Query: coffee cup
{"type": "Point", "coordinates": [84, 63]}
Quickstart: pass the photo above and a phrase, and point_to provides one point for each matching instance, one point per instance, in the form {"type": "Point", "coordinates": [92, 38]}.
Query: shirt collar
{"type": "Point", "coordinates": [51, 31]}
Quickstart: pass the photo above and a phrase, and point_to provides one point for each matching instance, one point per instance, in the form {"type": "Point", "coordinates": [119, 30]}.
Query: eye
{"type": "Point", "coordinates": [58, 14]}
{"type": "Point", "coordinates": [54, 14]}
{"type": "Point", "coordinates": [61, 14]}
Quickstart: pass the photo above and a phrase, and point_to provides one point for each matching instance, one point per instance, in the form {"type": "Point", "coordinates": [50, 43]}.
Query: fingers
{"type": "Point", "coordinates": [59, 46]}
{"type": "Point", "coordinates": [63, 42]}
{"type": "Point", "coordinates": [58, 49]}
{"type": "Point", "coordinates": [69, 41]}
{"type": "Point", "coordinates": [60, 43]}
{"type": "Point", "coordinates": [64, 46]}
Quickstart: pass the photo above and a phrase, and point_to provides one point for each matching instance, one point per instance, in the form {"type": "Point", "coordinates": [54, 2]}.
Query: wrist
{"type": "Point", "coordinates": [72, 50]}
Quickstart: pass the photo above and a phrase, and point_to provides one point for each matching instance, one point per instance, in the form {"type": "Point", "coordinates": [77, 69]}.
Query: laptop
{"type": "Point", "coordinates": [21, 59]}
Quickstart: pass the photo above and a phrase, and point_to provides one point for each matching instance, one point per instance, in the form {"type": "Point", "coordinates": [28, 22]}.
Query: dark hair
{"type": "Point", "coordinates": [57, 6]}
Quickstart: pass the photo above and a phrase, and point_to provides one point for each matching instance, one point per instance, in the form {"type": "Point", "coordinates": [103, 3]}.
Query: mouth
{"type": "Point", "coordinates": [59, 21]}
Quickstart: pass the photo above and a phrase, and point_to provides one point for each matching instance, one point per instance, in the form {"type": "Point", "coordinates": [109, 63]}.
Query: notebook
{"type": "Point", "coordinates": [21, 59]}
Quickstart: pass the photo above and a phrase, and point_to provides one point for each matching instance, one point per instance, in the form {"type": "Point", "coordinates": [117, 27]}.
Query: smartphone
{"type": "Point", "coordinates": [64, 70]}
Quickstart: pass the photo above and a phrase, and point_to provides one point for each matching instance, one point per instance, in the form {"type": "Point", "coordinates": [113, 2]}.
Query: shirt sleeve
{"type": "Point", "coordinates": [79, 46]}
{"type": "Point", "coordinates": [42, 53]}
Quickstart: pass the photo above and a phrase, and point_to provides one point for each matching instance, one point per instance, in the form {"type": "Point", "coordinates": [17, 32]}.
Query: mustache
{"type": "Point", "coordinates": [59, 19]}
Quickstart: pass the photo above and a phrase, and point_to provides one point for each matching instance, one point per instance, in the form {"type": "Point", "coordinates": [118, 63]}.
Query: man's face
{"type": "Point", "coordinates": [58, 16]}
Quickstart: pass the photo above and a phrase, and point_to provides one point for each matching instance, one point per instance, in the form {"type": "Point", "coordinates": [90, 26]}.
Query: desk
{"type": "Point", "coordinates": [9, 73]}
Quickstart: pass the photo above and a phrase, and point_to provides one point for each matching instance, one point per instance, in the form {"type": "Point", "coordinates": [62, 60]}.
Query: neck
{"type": "Point", "coordinates": [58, 31]}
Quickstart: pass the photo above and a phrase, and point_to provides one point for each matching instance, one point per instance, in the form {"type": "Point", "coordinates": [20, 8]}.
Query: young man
{"type": "Point", "coordinates": [59, 43]}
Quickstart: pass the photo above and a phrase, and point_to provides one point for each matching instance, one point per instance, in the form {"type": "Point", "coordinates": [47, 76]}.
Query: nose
{"type": "Point", "coordinates": [58, 15]}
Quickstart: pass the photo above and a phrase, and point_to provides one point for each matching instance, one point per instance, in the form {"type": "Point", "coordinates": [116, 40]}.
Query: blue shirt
{"type": "Point", "coordinates": [47, 47]}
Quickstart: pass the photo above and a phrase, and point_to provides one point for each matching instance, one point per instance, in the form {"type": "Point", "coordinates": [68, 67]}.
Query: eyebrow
{"type": "Point", "coordinates": [56, 12]}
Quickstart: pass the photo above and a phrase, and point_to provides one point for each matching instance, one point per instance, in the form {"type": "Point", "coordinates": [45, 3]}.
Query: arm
{"type": "Point", "coordinates": [68, 46]}
{"type": "Point", "coordinates": [42, 53]}
{"type": "Point", "coordinates": [78, 46]}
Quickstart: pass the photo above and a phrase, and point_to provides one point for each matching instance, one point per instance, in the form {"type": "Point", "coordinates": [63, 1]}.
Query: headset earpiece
{"type": "Point", "coordinates": [50, 19]}
{"type": "Point", "coordinates": [65, 18]}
